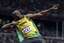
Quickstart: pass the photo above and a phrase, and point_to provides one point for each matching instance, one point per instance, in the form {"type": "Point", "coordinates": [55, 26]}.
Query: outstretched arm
{"type": "Point", "coordinates": [9, 25]}
{"type": "Point", "coordinates": [42, 13]}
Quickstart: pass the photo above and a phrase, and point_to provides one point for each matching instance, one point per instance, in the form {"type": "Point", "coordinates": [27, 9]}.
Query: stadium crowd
{"type": "Point", "coordinates": [30, 6]}
{"type": "Point", "coordinates": [10, 36]}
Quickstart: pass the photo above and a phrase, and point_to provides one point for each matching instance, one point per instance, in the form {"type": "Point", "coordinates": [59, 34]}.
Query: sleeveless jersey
{"type": "Point", "coordinates": [27, 28]}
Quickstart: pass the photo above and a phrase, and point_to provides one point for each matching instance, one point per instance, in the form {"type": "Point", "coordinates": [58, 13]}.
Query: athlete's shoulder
{"type": "Point", "coordinates": [25, 16]}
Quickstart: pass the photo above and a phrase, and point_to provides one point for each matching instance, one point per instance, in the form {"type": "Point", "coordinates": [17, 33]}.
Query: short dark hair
{"type": "Point", "coordinates": [15, 12]}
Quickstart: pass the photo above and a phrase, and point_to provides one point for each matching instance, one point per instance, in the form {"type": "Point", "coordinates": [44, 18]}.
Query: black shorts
{"type": "Point", "coordinates": [38, 39]}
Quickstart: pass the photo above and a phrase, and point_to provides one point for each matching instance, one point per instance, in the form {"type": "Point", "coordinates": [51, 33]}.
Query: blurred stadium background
{"type": "Point", "coordinates": [51, 26]}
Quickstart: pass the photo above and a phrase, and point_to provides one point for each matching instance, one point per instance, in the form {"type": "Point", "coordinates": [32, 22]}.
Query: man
{"type": "Point", "coordinates": [26, 26]}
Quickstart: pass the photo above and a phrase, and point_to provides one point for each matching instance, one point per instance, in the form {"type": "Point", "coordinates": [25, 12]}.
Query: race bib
{"type": "Point", "coordinates": [26, 30]}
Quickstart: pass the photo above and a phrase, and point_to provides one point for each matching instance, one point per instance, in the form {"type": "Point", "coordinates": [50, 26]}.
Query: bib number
{"type": "Point", "coordinates": [26, 30]}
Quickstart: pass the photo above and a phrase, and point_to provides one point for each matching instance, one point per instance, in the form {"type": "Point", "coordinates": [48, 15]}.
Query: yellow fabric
{"type": "Point", "coordinates": [27, 28]}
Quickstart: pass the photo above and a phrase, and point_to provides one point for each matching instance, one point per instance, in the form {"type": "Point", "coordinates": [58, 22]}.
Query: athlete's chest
{"type": "Point", "coordinates": [24, 26]}
{"type": "Point", "coordinates": [23, 23]}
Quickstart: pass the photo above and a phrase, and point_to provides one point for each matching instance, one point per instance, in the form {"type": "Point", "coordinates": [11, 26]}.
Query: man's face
{"type": "Point", "coordinates": [17, 16]}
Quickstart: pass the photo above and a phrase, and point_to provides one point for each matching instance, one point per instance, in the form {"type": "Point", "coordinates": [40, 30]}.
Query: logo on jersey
{"type": "Point", "coordinates": [26, 30]}
{"type": "Point", "coordinates": [22, 23]}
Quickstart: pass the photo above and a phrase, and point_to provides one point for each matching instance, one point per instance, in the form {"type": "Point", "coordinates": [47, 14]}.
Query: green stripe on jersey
{"type": "Point", "coordinates": [21, 38]}
{"type": "Point", "coordinates": [36, 27]}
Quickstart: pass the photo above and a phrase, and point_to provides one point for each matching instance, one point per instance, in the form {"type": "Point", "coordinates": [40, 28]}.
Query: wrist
{"type": "Point", "coordinates": [51, 8]}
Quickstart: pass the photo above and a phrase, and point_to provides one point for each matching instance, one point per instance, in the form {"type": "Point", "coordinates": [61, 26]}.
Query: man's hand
{"type": "Point", "coordinates": [55, 7]}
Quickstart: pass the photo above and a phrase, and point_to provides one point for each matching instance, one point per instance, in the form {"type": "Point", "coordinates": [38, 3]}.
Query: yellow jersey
{"type": "Point", "coordinates": [26, 27]}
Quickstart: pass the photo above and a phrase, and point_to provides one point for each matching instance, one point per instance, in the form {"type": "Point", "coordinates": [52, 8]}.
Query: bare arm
{"type": "Point", "coordinates": [42, 13]}
{"type": "Point", "coordinates": [9, 25]}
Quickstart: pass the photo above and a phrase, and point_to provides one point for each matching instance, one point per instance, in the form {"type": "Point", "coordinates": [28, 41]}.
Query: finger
{"type": "Point", "coordinates": [57, 4]}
